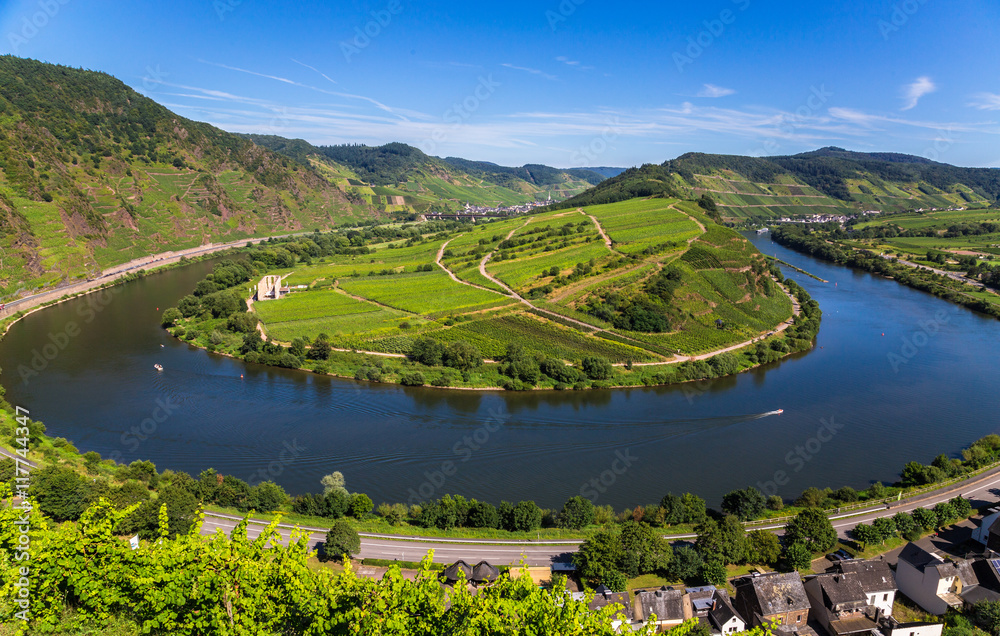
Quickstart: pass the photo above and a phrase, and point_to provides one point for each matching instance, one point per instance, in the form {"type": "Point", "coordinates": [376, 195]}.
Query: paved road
{"type": "Point", "coordinates": [981, 490]}
{"type": "Point", "coordinates": [959, 276]}
{"type": "Point", "coordinates": [118, 271]}
{"type": "Point", "coordinates": [411, 549]}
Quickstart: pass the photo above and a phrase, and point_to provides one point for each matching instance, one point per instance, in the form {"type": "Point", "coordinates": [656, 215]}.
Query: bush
{"type": "Point", "coordinates": [361, 505]}
{"type": "Point", "coordinates": [414, 378]}
{"type": "Point", "coordinates": [597, 368]}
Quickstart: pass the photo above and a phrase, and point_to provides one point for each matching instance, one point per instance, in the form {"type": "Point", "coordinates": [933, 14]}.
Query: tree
{"type": "Point", "coordinates": [724, 540]}
{"type": "Point", "coordinates": [483, 515]}
{"type": "Point", "coordinates": [986, 616]}
{"type": "Point", "coordinates": [414, 378]}
{"type": "Point", "coordinates": [866, 534]}
{"type": "Point", "coordinates": [59, 491]}
{"type": "Point", "coordinates": [267, 496]}
{"type": "Point", "coordinates": [695, 509]}
{"type": "Point", "coordinates": [961, 507]}
{"type": "Point", "coordinates": [333, 481]}
{"type": "Point", "coordinates": [714, 572]}
{"type": "Point", "coordinates": [797, 556]}
{"type": "Point", "coordinates": [615, 581]}
{"type": "Point", "coordinates": [462, 356]}
{"type": "Point", "coordinates": [341, 541]}
{"type": "Point", "coordinates": [321, 348]}
{"type": "Point", "coordinates": [526, 517]}
{"type": "Point", "coordinates": [764, 547]}
{"type": "Point", "coordinates": [597, 368]}
{"type": "Point", "coordinates": [643, 550]}
{"type": "Point", "coordinates": [904, 523]}
{"type": "Point", "coordinates": [576, 513]}
{"type": "Point", "coordinates": [812, 528]}
{"type": "Point", "coordinates": [926, 519]}
{"type": "Point", "coordinates": [170, 317]}
{"type": "Point", "coordinates": [599, 556]}
{"type": "Point", "coordinates": [298, 348]}
{"type": "Point", "coordinates": [361, 505]}
{"type": "Point", "coordinates": [885, 528]}
{"type": "Point", "coordinates": [252, 342]}
{"type": "Point", "coordinates": [746, 504]}
{"type": "Point", "coordinates": [774, 502]}
{"type": "Point", "coordinates": [686, 564]}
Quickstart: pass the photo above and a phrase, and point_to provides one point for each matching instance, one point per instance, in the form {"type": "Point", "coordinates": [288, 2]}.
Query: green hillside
{"type": "Point", "coordinates": [651, 281]}
{"type": "Point", "coordinates": [374, 174]}
{"type": "Point", "coordinates": [828, 181]}
{"type": "Point", "coordinates": [92, 174]}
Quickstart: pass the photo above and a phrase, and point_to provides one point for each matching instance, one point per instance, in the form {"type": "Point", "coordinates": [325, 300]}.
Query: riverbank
{"type": "Point", "coordinates": [915, 276]}
{"type": "Point", "coordinates": [16, 310]}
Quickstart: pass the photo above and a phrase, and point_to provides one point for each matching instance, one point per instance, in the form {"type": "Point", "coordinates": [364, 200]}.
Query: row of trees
{"type": "Point", "coordinates": [911, 525]}
{"type": "Point", "coordinates": [613, 555]}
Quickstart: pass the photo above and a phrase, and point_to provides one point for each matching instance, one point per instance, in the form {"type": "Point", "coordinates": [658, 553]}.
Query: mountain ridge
{"type": "Point", "coordinates": [828, 180]}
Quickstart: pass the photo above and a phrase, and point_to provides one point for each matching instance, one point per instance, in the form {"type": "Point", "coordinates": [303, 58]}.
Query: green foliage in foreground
{"type": "Point", "coordinates": [82, 576]}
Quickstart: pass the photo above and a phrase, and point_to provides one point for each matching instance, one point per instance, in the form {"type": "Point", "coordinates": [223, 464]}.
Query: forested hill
{"type": "Point", "coordinates": [93, 174]}
{"type": "Point", "coordinates": [412, 172]}
{"type": "Point", "coordinates": [826, 181]}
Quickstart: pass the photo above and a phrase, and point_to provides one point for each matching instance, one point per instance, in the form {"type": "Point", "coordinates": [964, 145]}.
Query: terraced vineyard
{"type": "Point", "coordinates": [573, 296]}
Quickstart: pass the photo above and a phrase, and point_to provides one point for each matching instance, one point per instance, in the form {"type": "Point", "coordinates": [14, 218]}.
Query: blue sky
{"type": "Point", "coordinates": [561, 82]}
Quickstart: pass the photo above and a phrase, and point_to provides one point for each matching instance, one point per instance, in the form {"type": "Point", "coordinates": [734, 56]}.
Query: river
{"type": "Point", "coordinates": [896, 375]}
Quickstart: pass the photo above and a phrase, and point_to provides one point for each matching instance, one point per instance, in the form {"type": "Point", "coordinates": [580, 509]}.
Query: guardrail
{"type": "Point", "coordinates": [881, 503]}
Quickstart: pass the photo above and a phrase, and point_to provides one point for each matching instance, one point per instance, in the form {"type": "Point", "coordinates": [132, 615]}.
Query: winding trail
{"type": "Point", "coordinates": [513, 294]}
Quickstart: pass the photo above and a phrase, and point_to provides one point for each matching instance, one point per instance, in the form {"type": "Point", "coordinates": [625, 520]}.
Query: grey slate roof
{"type": "Point", "coordinates": [842, 591]}
{"type": "Point", "coordinates": [484, 573]}
{"type": "Point", "coordinates": [451, 572]}
{"type": "Point", "coordinates": [667, 604]}
{"type": "Point", "coordinates": [775, 593]}
{"type": "Point", "coordinates": [722, 610]}
{"type": "Point", "coordinates": [874, 576]}
{"type": "Point", "coordinates": [605, 597]}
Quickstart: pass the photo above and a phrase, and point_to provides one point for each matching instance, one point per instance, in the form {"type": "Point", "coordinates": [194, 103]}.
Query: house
{"type": "Point", "coordinates": [876, 579]}
{"type": "Point", "coordinates": [723, 616]}
{"type": "Point", "coordinates": [933, 580]}
{"type": "Point", "coordinates": [988, 532]}
{"type": "Point", "coordinates": [484, 573]}
{"type": "Point", "coordinates": [773, 599]}
{"type": "Point", "coordinates": [481, 573]}
{"type": "Point", "coordinates": [840, 604]}
{"type": "Point", "coordinates": [671, 607]}
{"type": "Point", "coordinates": [456, 570]}
{"type": "Point", "coordinates": [604, 597]}
{"type": "Point", "coordinates": [891, 627]}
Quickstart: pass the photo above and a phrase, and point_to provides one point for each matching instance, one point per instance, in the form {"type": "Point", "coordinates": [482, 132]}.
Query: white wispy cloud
{"type": "Point", "coordinates": [568, 62]}
{"type": "Point", "coordinates": [711, 90]}
{"type": "Point", "coordinates": [913, 92]}
{"type": "Point", "coordinates": [313, 68]}
{"type": "Point", "coordinates": [985, 101]}
{"type": "Point", "coordinates": [533, 71]}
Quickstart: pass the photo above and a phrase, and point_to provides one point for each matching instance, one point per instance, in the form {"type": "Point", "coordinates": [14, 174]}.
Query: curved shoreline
{"type": "Point", "coordinates": [168, 260]}
{"type": "Point", "coordinates": [796, 312]}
